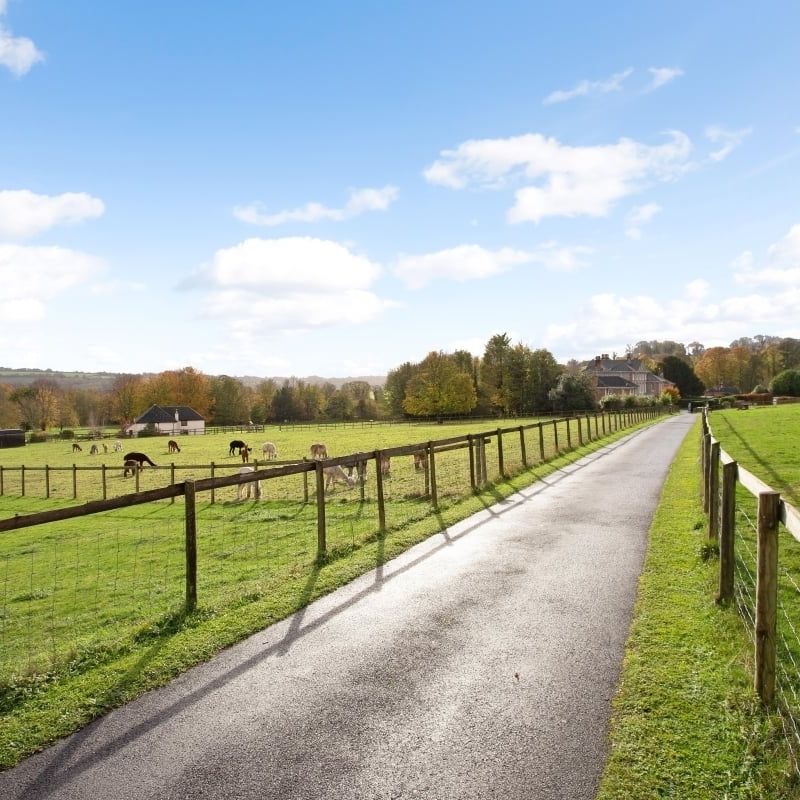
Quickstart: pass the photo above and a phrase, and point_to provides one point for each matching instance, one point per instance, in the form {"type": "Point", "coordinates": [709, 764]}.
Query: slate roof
{"type": "Point", "coordinates": [156, 414]}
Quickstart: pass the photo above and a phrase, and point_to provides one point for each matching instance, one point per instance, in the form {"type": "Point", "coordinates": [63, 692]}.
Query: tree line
{"type": "Point", "coordinates": [508, 379]}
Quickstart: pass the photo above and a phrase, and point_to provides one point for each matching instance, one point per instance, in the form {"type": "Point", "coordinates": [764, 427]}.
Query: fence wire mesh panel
{"type": "Point", "coordinates": [512, 453]}
{"type": "Point", "coordinates": [246, 545]}
{"type": "Point", "coordinates": [453, 472]}
{"type": "Point", "coordinates": [72, 591]}
{"type": "Point", "coordinates": [406, 490]}
{"type": "Point", "coordinates": [351, 509]}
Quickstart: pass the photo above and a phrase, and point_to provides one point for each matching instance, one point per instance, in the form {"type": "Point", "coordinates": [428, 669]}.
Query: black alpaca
{"type": "Point", "coordinates": [140, 458]}
{"type": "Point", "coordinates": [237, 445]}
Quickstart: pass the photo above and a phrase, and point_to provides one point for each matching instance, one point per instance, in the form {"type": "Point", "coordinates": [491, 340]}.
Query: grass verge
{"type": "Point", "coordinates": [686, 723]}
{"type": "Point", "coordinates": [56, 705]}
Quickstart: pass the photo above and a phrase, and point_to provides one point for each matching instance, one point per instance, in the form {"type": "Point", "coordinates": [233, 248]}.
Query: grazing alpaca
{"type": "Point", "coordinates": [269, 450]}
{"type": "Point", "coordinates": [237, 445]}
{"type": "Point", "coordinates": [318, 451]}
{"type": "Point", "coordinates": [93, 451]}
{"type": "Point", "coordinates": [172, 446]}
{"type": "Point", "coordinates": [244, 452]}
{"type": "Point", "coordinates": [246, 487]}
{"type": "Point", "coordinates": [105, 447]}
{"type": "Point", "coordinates": [76, 448]}
{"type": "Point", "coordinates": [130, 467]}
{"type": "Point", "coordinates": [140, 458]}
{"type": "Point", "coordinates": [334, 475]}
{"type": "Point", "coordinates": [419, 460]}
{"type": "Point", "coordinates": [386, 466]}
{"type": "Point", "coordinates": [117, 446]}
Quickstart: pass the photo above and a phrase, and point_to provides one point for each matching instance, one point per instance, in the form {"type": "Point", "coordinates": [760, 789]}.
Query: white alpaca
{"type": "Point", "coordinates": [269, 450]}
{"type": "Point", "coordinates": [249, 486]}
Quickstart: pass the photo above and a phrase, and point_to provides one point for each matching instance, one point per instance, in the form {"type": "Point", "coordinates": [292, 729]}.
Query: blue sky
{"type": "Point", "coordinates": [334, 188]}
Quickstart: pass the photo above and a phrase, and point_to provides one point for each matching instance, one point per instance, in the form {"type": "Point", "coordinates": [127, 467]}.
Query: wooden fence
{"type": "Point", "coordinates": [579, 430]}
{"type": "Point", "coordinates": [721, 475]}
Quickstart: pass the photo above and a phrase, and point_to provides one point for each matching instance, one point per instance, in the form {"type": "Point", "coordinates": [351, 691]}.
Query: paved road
{"type": "Point", "coordinates": [479, 664]}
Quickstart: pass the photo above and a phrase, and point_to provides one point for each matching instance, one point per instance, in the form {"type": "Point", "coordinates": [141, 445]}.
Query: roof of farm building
{"type": "Point", "coordinates": [614, 382]}
{"type": "Point", "coordinates": [156, 414]}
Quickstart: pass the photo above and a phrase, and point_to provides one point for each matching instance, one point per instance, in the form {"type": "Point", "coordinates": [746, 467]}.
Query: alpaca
{"type": "Point", "coordinates": [140, 458]}
{"type": "Point", "coordinates": [172, 446]}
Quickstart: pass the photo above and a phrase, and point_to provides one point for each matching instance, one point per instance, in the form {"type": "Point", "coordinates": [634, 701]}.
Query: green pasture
{"type": "Point", "coordinates": [88, 596]}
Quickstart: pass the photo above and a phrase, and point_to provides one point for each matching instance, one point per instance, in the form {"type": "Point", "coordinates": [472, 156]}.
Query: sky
{"type": "Point", "coordinates": [335, 188]}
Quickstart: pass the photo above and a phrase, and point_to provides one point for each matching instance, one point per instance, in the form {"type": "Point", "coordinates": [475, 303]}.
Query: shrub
{"type": "Point", "coordinates": [611, 402]}
{"type": "Point", "coordinates": [786, 383]}
{"type": "Point", "coordinates": [65, 434]}
{"type": "Point", "coordinates": [38, 437]}
{"type": "Point", "coordinates": [149, 430]}
{"type": "Point", "coordinates": [629, 401]}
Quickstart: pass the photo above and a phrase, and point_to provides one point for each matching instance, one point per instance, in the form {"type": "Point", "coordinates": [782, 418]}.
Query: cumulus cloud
{"type": "Point", "coordinates": [639, 216]}
{"type": "Point", "coordinates": [24, 214]}
{"type": "Point", "coordinates": [563, 181]}
{"type": "Point", "coordinates": [586, 87]}
{"type": "Point", "coordinates": [32, 276]}
{"type": "Point", "coordinates": [17, 53]}
{"type": "Point", "coordinates": [290, 283]}
{"type": "Point", "coordinates": [472, 262]}
{"type": "Point", "coordinates": [781, 267]}
{"type": "Point", "coordinates": [661, 76]}
{"type": "Point", "coordinates": [359, 202]}
{"type": "Point", "coordinates": [727, 140]}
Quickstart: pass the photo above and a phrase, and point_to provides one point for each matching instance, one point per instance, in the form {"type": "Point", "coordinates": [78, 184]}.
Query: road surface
{"type": "Point", "coordinates": [479, 664]}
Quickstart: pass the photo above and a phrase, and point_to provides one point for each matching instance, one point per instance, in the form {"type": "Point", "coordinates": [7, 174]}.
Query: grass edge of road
{"type": "Point", "coordinates": [686, 722]}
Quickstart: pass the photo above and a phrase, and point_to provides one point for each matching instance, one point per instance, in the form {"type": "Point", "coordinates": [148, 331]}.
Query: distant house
{"type": "Point", "coordinates": [624, 376]}
{"type": "Point", "coordinates": [169, 419]}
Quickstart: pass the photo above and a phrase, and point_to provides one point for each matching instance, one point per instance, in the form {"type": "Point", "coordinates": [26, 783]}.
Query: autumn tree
{"type": "Point", "coordinates": [9, 410]}
{"type": "Point", "coordinates": [713, 367]}
{"type": "Point", "coordinates": [229, 401]}
{"type": "Point", "coordinates": [263, 393]}
{"type": "Point", "coordinates": [439, 388]}
{"type": "Point", "coordinates": [395, 387]}
{"type": "Point", "coordinates": [38, 404]}
{"type": "Point", "coordinates": [126, 398]}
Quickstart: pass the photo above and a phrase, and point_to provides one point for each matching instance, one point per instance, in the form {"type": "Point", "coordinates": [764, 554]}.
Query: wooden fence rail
{"type": "Point", "coordinates": [477, 444]}
{"type": "Point", "coordinates": [720, 504]}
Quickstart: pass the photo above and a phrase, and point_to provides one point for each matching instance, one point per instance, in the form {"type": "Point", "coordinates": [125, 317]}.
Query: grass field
{"type": "Point", "coordinates": [687, 723]}
{"type": "Point", "coordinates": [93, 599]}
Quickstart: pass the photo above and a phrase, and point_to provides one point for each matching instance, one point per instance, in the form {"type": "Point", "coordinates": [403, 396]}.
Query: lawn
{"type": "Point", "coordinates": [91, 610]}
{"type": "Point", "coordinates": [686, 721]}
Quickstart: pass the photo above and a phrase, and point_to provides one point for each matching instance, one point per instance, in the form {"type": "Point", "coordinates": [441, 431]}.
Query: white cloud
{"type": "Point", "coordinates": [567, 181]}
{"type": "Point", "coordinates": [639, 216]}
{"type": "Point", "coordinates": [32, 276]}
{"type": "Point", "coordinates": [585, 87]}
{"type": "Point", "coordinates": [17, 53]}
{"type": "Point", "coordinates": [728, 140]}
{"type": "Point", "coordinates": [662, 76]}
{"type": "Point", "coordinates": [290, 283]}
{"type": "Point", "coordinates": [781, 268]}
{"type": "Point", "coordinates": [116, 287]}
{"type": "Point", "coordinates": [472, 262]}
{"type": "Point", "coordinates": [24, 214]}
{"type": "Point", "coordinates": [359, 202]}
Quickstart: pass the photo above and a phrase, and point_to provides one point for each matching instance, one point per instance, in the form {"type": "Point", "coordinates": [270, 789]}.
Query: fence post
{"type": "Point", "coordinates": [22, 479]}
{"type": "Point", "coordinates": [321, 544]}
{"type": "Point", "coordinates": [305, 487]}
{"type": "Point", "coordinates": [47, 482]}
{"type": "Point", "coordinates": [1, 481]}
{"type": "Point", "coordinates": [191, 544]}
{"type": "Point", "coordinates": [713, 492]}
{"type": "Point", "coordinates": [74, 483]}
{"type": "Point", "coordinates": [501, 468]}
{"type": "Point", "coordinates": [569, 434]}
{"type": "Point", "coordinates": [138, 469]}
{"type": "Point", "coordinates": [580, 431]}
{"type": "Point", "coordinates": [766, 594]}
{"type": "Point", "coordinates": [172, 480]}
{"type": "Point", "coordinates": [471, 447]}
{"type": "Point", "coordinates": [432, 458]}
{"type": "Point", "coordinates": [706, 445]}
{"type": "Point", "coordinates": [522, 446]}
{"type": "Point", "coordinates": [379, 484]}
{"type": "Point", "coordinates": [213, 493]}
{"type": "Point", "coordinates": [105, 488]}
{"type": "Point", "coordinates": [555, 436]}
{"type": "Point", "coordinates": [727, 532]}
{"type": "Point", "coordinates": [596, 427]}
{"type": "Point", "coordinates": [603, 421]}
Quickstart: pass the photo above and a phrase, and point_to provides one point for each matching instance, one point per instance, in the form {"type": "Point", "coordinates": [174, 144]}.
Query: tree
{"type": "Point", "coordinates": [395, 387]}
{"type": "Point", "coordinates": [495, 378]}
{"type": "Point", "coordinates": [38, 404]}
{"type": "Point", "coordinates": [126, 398]}
{"type": "Point", "coordinates": [682, 375]}
{"type": "Point", "coordinates": [339, 406]}
{"type": "Point", "coordinates": [713, 367]}
{"type": "Point", "coordinates": [285, 404]}
{"type": "Point", "coordinates": [9, 411]}
{"type": "Point", "coordinates": [786, 383]}
{"type": "Point", "coordinates": [439, 388]}
{"type": "Point", "coordinates": [573, 393]}
{"type": "Point", "coordinates": [229, 401]}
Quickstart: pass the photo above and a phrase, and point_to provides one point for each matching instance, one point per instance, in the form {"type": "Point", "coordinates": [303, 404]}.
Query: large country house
{"type": "Point", "coordinates": [623, 377]}
{"type": "Point", "coordinates": [168, 419]}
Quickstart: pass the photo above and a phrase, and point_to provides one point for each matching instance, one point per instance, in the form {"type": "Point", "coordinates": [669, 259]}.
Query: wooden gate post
{"type": "Point", "coordinates": [713, 492]}
{"type": "Point", "coordinates": [569, 434]}
{"type": "Point", "coordinates": [22, 479]}
{"type": "Point", "coordinates": [766, 595]}
{"type": "Point", "coordinates": [74, 482]}
{"type": "Point", "coordinates": [580, 431]}
{"type": "Point", "coordinates": [522, 447]}
{"type": "Point", "coordinates": [727, 532]}
{"type": "Point", "coordinates": [47, 482]}
{"type": "Point", "coordinates": [213, 493]}
{"type": "Point", "coordinates": [471, 448]}
{"type": "Point", "coordinates": [191, 545]}
{"type": "Point", "coordinates": [555, 435]}
{"type": "Point", "coordinates": [541, 442]}
{"type": "Point", "coordinates": [172, 480]}
{"type": "Point", "coordinates": [321, 532]}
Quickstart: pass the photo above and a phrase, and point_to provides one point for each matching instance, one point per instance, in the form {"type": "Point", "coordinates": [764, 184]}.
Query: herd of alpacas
{"type": "Point", "coordinates": [318, 451]}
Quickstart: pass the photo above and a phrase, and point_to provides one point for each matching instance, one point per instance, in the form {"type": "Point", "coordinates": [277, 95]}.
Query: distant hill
{"type": "Point", "coordinates": [103, 381]}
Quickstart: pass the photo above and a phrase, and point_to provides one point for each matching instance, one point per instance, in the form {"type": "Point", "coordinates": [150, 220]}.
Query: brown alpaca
{"type": "Point", "coordinates": [245, 453]}
{"type": "Point", "coordinates": [172, 446]}
{"type": "Point", "coordinates": [76, 448]}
